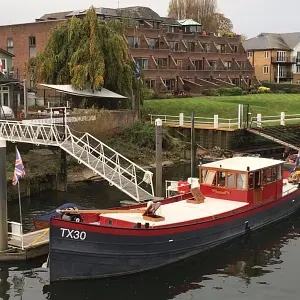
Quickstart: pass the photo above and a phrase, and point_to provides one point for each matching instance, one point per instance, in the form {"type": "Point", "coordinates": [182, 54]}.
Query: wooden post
{"type": "Point", "coordinates": [216, 121]}
{"type": "Point", "coordinates": [282, 118]}
{"type": "Point", "coordinates": [3, 197]}
{"type": "Point", "coordinates": [259, 120]}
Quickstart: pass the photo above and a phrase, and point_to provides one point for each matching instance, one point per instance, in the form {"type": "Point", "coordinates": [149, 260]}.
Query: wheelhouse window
{"type": "Point", "coordinates": [210, 177]}
{"type": "Point", "coordinates": [231, 180]}
{"type": "Point", "coordinates": [221, 179]}
{"type": "Point", "coordinates": [241, 181]}
{"type": "Point", "coordinates": [279, 172]}
{"type": "Point", "coordinates": [203, 173]}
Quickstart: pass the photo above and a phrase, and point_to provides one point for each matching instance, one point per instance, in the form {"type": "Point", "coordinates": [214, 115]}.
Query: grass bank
{"type": "Point", "coordinates": [225, 106]}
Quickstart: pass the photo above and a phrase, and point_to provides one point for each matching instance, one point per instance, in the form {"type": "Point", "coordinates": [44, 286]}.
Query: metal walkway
{"type": "Point", "coordinates": [269, 137]}
{"type": "Point", "coordinates": [103, 160]}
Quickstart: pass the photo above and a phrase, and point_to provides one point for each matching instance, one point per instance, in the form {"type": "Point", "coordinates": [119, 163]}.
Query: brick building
{"type": "Point", "coordinates": [171, 53]}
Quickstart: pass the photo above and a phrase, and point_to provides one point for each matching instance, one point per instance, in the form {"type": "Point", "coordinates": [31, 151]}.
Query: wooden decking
{"type": "Point", "coordinates": [31, 240]}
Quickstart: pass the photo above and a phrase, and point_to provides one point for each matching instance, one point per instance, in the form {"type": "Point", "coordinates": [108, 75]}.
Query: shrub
{"type": "Point", "coordinates": [235, 91]}
{"type": "Point", "coordinates": [186, 88]}
{"type": "Point", "coordinates": [168, 96]}
{"type": "Point", "coordinates": [253, 92]}
{"type": "Point", "coordinates": [263, 90]}
{"type": "Point", "coordinates": [148, 93]}
{"type": "Point", "coordinates": [210, 92]}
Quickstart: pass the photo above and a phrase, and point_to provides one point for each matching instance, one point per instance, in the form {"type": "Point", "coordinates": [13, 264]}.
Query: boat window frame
{"type": "Point", "coordinates": [226, 171]}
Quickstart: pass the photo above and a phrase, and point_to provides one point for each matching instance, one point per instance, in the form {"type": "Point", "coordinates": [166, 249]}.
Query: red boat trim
{"type": "Point", "coordinates": [174, 228]}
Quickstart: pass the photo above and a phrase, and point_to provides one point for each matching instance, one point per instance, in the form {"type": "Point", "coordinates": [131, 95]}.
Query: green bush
{"type": "Point", "coordinates": [210, 92]}
{"type": "Point", "coordinates": [263, 90]}
{"type": "Point", "coordinates": [148, 93]}
{"type": "Point", "coordinates": [235, 91]}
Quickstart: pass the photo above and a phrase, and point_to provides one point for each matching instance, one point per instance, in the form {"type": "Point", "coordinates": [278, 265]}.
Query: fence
{"type": "Point", "coordinates": [182, 120]}
{"type": "Point", "coordinates": [281, 119]}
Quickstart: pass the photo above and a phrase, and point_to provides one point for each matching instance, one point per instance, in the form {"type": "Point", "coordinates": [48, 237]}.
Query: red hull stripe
{"type": "Point", "coordinates": [176, 228]}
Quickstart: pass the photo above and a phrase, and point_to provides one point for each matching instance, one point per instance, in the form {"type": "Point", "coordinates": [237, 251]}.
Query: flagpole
{"type": "Point", "coordinates": [20, 207]}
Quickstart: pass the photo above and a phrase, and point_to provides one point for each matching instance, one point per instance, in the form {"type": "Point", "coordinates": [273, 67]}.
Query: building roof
{"type": "Point", "coordinates": [6, 52]}
{"type": "Point", "coordinates": [241, 163]}
{"type": "Point", "coordinates": [135, 12]}
{"type": "Point", "coordinates": [55, 16]}
{"type": "Point", "coordinates": [189, 22]}
{"type": "Point", "coordinates": [68, 89]}
{"type": "Point", "coordinates": [170, 21]}
{"type": "Point", "coordinates": [269, 41]}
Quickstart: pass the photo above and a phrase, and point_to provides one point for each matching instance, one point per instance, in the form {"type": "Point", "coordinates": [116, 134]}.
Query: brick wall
{"type": "Point", "coordinates": [20, 33]}
{"type": "Point", "coordinates": [260, 61]}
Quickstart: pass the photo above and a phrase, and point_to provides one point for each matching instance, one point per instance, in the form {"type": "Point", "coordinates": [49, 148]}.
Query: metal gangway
{"type": "Point", "coordinates": [103, 160]}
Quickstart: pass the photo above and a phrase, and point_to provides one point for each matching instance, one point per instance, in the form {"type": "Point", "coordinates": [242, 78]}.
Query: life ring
{"type": "Point", "coordinates": [183, 187]}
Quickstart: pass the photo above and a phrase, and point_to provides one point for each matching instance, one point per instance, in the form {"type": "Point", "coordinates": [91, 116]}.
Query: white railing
{"type": "Point", "coordinates": [15, 232]}
{"type": "Point", "coordinates": [281, 119]}
{"type": "Point", "coordinates": [103, 160]}
{"type": "Point", "coordinates": [115, 168]}
{"type": "Point", "coordinates": [182, 120]}
{"type": "Point", "coordinates": [60, 120]}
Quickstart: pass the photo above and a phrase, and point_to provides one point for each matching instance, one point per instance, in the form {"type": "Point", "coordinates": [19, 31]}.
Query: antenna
{"type": "Point", "coordinates": [118, 3]}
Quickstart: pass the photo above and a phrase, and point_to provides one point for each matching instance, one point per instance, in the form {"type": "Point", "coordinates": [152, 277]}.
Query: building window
{"type": "Point", "coordinates": [298, 81]}
{"type": "Point", "coordinates": [10, 46]}
{"type": "Point", "coordinates": [174, 46]}
{"type": "Point", "coordinates": [207, 47]}
{"type": "Point", "coordinates": [32, 46]}
{"type": "Point", "coordinates": [249, 54]}
{"type": "Point", "coordinates": [228, 65]}
{"type": "Point", "coordinates": [133, 42]}
{"type": "Point", "coordinates": [266, 69]}
{"type": "Point", "coordinates": [162, 62]}
{"type": "Point", "coordinates": [171, 29]}
{"type": "Point", "coordinates": [198, 64]}
{"type": "Point", "coordinates": [142, 62]}
{"type": "Point", "coordinates": [191, 46]}
{"type": "Point", "coordinates": [266, 54]}
{"type": "Point", "coordinates": [3, 65]}
{"type": "Point", "coordinates": [298, 70]}
{"type": "Point", "coordinates": [179, 63]}
{"type": "Point", "coordinates": [151, 84]}
{"type": "Point", "coordinates": [153, 43]}
{"type": "Point", "coordinates": [234, 48]}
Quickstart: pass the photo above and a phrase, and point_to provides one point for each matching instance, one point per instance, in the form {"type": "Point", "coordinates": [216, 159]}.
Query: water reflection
{"type": "Point", "coordinates": [242, 261]}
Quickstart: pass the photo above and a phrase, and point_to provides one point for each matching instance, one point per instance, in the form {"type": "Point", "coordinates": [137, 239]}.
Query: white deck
{"type": "Point", "coordinates": [182, 211]}
{"type": "Point", "coordinates": [241, 163]}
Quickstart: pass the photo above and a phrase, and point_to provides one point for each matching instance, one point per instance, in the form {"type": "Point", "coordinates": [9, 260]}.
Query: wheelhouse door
{"type": "Point", "coordinates": [257, 195]}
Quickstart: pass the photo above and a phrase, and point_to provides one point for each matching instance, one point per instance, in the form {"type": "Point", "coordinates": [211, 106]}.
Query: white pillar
{"type": "Point", "coordinates": [278, 72]}
{"type": "Point", "coordinates": [282, 117]}
{"type": "Point", "coordinates": [216, 121]}
{"type": "Point", "coordinates": [240, 116]}
{"type": "Point", "coordinates": [258, 120]}
{"type": "Point", "coordinates": [181, 119]}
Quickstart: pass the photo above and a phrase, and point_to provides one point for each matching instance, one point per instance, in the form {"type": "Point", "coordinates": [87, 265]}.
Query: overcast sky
{"type": "Point", "coordinates": [249, 17]}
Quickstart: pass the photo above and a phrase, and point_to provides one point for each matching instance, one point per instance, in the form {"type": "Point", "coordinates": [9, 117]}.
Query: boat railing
{"type": "Point", "coordinates": [15, 232]}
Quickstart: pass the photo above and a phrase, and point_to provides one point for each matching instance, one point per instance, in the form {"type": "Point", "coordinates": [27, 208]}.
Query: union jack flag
{"type": "Point", "coordinates": [19, 168]}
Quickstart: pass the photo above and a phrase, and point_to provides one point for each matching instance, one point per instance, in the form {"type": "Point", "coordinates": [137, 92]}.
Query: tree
{"type": "Point", "coordinates": [87, 53]}
{"type": "Point", "coordinates": [202, 11]}
{"type": "Point", "coordinates": [222, 24]}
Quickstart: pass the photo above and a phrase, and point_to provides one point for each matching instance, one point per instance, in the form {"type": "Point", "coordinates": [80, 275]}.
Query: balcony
{"type": "Point", "coordinates": [284, 60]}
{"type": "Point", "coordinates": [9, 75]}
{"type": "Point", "coordinates": [283, 75]}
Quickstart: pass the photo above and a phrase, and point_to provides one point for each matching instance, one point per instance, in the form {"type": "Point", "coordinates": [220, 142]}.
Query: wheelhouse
{"type": "Point", "coordinates": [247, 179]}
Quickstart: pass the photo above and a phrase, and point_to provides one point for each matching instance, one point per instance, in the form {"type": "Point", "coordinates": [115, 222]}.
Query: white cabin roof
{"type": "Point", "coordinates": [241, 163]}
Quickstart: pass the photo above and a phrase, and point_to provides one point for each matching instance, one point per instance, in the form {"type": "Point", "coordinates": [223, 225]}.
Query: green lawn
{"type": "Point", "coordinates": [225, 107]}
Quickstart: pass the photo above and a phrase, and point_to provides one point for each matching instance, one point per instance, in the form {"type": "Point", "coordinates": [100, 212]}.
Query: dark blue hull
{"type": "Point", "coordinates": [79, 251]}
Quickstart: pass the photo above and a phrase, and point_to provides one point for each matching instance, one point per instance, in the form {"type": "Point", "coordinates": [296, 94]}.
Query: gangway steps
{"type": "Point", "coordinates": [112, 175]}
{"type": "Point", "coordinates": [103, 160]}
{"type": "Point", "coordinates": [269, 137]}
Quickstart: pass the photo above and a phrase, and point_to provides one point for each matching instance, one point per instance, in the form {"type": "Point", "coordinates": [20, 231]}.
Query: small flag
{"type": "Point", "coordinates": [137, 71]}
{"type": "Point", "coordinates": [19, 168]}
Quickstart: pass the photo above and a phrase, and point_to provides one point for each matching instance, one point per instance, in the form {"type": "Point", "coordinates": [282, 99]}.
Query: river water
{"type": "Point", "coordinates": [264, 267]}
